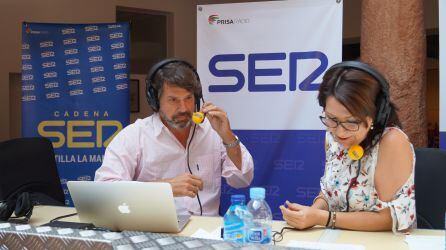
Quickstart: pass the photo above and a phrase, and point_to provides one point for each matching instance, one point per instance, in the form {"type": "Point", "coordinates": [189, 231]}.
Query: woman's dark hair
{"type": "Point", "coordinates": [361, 94]}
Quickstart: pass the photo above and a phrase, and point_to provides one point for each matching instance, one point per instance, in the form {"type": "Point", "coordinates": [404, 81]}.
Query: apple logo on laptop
{"type": "Point", "coordinates": [124, 208]}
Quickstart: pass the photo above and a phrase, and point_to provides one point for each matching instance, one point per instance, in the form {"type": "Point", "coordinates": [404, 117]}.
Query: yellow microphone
{"type": "Point", "coordinates": [355, 152]}
{"type": "Point", "coordinates": [198, 117]}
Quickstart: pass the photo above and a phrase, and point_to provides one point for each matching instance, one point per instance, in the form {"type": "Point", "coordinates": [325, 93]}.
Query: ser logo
{"type": "Point", "coordinates": [74, 82]}
{"type": "Point", "coordinates": [72, 61]}
{"type": "Point", "coordinates": [307, 84]}
{"type": "Point", "coordinates": [49, 64]}
{"type": "Point", "coordinates": [118, 56]}
{"type": "Point", "coordinates": [46, 44]}
{"type": "Point", "coordinates": [28, 87]}
{"type": "Point", "coordinates": [52, 95]}
{"type": "Point", "coordinates": [76, 92]}
{"type": "Point", "coordinates": [95, 48]}
{"type": "Point", "coordinates": [91, 28]}
{"type": "Point", "coordinates": [27, 67]}
{"type": "Point", "coordinates": [79, 133]}
{"type": "Point", "coordinates": [71, 51]}
{"type": "Point", "coordinates": [95, 59]}
{"type": "Point", "coordinates": [69, 41]}
{"type": "Point", "coordinates": [289, 165]}
{"type": "Point", "coordinates": [51, 85]}
{"type": "Point", "coordinates": [51, 74]}
{"type": "Point", "coordinates": [93, 38]}
{"type": "Point", "coordinates": [119, 66]}
{"type": "Point", "coordinates": [47, 54]}
{"type": "Point", "coordinates": [117, 45]}
{"type": "Point", "coordinates": [68, 31]}
{"type": "Point", "coordinates": [116, 35]}
{"type": "Point", "coordinates": [71, 72]}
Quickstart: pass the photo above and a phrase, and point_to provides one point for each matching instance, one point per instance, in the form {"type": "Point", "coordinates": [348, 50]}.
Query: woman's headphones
{"type": "Point", "coordinates": [383, 101]}
{"type": "Point", "coordinates": [21, 206]}
{"type": "Point", "coordinates": [152, 93]}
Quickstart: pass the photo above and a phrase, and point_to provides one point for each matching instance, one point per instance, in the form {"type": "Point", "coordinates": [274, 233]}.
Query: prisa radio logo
{"type": "Point", "coordinates": [215, 19]}
{"type": "Point", "coordinates": [28, 30]}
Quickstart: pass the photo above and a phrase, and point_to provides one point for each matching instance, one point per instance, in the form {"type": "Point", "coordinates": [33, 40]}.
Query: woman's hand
{"type": "Point", "coordinates": [302, 217]}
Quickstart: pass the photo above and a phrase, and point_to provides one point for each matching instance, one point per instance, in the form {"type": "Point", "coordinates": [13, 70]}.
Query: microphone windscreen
{"type": "Point", "coordinates": [355, 152]}
{"type": "Point", "coordinates": [198, 117]}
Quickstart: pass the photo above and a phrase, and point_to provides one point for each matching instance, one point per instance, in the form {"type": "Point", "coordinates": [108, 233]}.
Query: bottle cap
{"type": "Point", "coordinates": [257, 193]}
{"type": "Point", "coordinates": [238, 199]}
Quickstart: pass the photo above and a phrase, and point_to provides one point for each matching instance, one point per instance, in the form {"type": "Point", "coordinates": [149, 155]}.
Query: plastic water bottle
{"type": "Point", "coordinates": [233, 222]}
{"type": "Point", "coordinates": [258, 229]}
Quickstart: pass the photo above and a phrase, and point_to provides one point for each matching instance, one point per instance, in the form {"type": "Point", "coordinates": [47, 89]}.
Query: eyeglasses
{"type": "Point", "coordinates": [333, 123]}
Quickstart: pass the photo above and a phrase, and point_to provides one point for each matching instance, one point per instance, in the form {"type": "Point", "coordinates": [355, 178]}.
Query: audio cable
{"type": "Point", "coordinates": [188, 166]}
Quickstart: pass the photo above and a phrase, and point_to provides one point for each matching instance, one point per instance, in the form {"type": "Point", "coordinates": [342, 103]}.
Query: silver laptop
{"type": "Point", "coordinates": [127, 205]}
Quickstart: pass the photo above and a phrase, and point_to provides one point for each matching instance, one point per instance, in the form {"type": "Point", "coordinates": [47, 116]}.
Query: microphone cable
{"type": "Point", "coordinates": [188, 166]}
{"type": "Point", "coordinates": [351, 184]}
{"type": "Point", "coordinates": [63, 216]}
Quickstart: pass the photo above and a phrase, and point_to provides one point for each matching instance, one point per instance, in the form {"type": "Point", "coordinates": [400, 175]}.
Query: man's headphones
{"type": "Point", "coordinates": [21, 205]}
{"type": "Point", "coordinates": [383, 100]}
{"type": "Point", "coordinates": [152, 93]}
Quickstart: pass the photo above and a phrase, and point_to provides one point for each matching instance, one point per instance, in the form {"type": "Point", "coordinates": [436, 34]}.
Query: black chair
{"type": "Point", "coordinates": [29, 165]}
{"type": "Point", "coordinates": [430, 187]}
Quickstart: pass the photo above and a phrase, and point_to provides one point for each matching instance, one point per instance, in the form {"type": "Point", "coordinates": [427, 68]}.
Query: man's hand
{"type": "Point", "coordinates": [185, 185]}
{"type": "Point", "coordinates": [219, 122]}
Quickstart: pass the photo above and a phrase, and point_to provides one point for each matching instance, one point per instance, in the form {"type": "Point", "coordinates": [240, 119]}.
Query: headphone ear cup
{"type": "Point", "coordinates": [152, 97]}
{"type": "Point", "coordinates": [383, 112]}
{"type": "Point", "coordinates": [6, 209]}
{"type": "Point", "coordinates": [23, 204]}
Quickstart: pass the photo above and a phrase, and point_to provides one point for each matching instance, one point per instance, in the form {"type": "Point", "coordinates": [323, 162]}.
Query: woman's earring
{"type": "Point", "coordinates": [371, 128]}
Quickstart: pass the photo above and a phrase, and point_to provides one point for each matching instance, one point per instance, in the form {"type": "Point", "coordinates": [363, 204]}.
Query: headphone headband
{"type": "Point", "coordinates": [152, 93]}
{"type": "Point", "coordinates": [384, 108]}
{"type": "Point", "coordinates": [366, 68]}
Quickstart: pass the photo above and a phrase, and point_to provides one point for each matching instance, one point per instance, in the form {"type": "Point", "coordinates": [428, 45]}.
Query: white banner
{"type": "Point", "coordinates": [263, 62]}
{"type": "Point", "coordinates": [279, 52]}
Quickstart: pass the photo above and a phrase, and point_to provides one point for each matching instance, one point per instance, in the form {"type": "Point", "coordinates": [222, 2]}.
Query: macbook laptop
{"type": "Point", "coordinates": [127, 205]}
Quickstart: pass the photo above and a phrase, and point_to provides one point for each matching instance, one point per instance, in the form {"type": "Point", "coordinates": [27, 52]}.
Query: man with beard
{"type": "Point", "coordinates": [168, 147]}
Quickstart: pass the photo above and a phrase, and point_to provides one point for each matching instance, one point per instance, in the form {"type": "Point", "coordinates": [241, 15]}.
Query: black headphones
{"type": "Point", "coordinates": [383, 102]}
{"type": "Point", "coordinates": [21, 205]}
{"type": "Point", "coordinates": [152, 93]}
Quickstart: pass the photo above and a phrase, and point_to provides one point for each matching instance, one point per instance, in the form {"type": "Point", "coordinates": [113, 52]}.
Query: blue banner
{"type": "Point", "coordinates": [75, 91]}
{"type": "Point", "coordinates": [288, 164]}
{"type": "Point", "coordinates": [443, 140]}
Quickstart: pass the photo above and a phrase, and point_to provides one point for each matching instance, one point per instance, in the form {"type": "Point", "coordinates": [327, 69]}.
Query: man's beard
{"type": "Point", "coordinates": [175, 122]}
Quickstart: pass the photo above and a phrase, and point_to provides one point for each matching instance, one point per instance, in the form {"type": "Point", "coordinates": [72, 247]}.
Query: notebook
{"type": "Point", "coordinates": [127, 205]}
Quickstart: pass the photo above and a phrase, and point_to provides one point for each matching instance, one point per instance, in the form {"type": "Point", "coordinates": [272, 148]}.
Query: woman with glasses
{"type": "Point", "coordinates": [376, 192]}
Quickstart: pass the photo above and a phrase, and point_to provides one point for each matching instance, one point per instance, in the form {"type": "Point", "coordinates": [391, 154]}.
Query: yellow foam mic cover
{"type": "Point", "coordinates": [198, 117]}
{"type": "Point", "coordinates": [355, 152]}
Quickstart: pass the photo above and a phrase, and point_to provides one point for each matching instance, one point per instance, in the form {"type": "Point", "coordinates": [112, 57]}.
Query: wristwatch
{"type": "Point", "coordinates": [232, 144]}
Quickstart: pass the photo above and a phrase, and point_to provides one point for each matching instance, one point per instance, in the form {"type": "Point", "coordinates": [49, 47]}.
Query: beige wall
{"type": "Point", "coordinates": [14, 12]}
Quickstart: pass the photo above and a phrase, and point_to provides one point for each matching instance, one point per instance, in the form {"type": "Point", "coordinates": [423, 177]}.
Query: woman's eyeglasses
{"type": "Point", "coordinates": [333, 123]}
